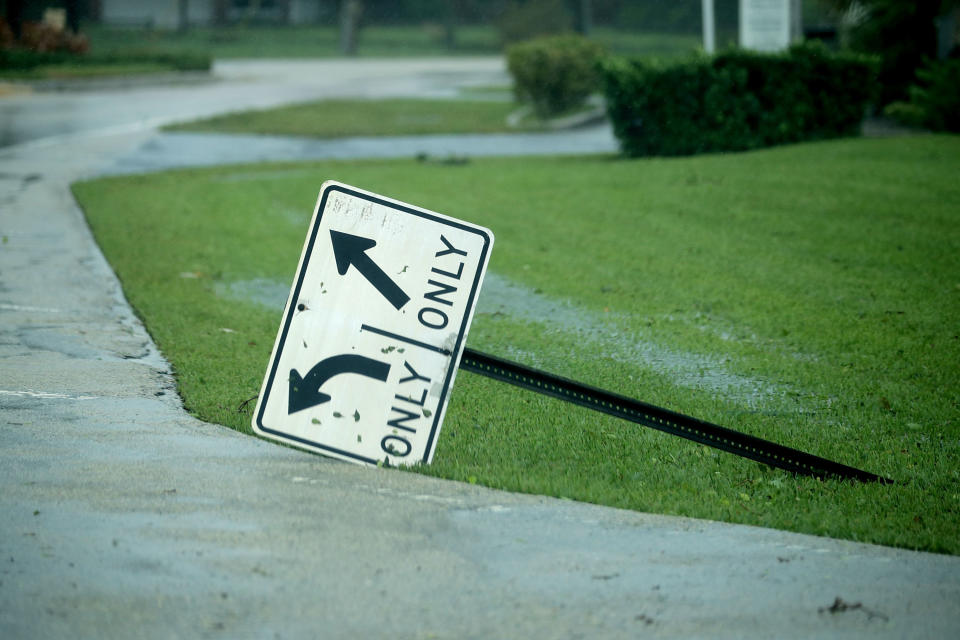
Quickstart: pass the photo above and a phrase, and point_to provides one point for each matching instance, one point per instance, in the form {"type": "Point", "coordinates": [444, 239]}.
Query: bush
{"type": "Point", "coordinates": [905, 113]}
{"type": "Point", "coordinates": [737, 100]}
{"type": "Point", "coordinates": [902, 35]}
{"type": "Point", "coordinates": [935, 99]}
{"type": "Point", "coordinates": [22, 60]}
{"type": "Point", "coordinates": [43, 38]}
{"type": "Point", "coordinates": [38, 37]}
{"type": "Point", "coordinates": [554, 73]}
{"type": "Point", "coordinates": [41, 45]}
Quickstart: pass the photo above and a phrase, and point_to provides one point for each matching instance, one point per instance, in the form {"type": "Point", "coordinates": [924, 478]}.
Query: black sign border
{"type": "Point", "coordinates": [291, 307]}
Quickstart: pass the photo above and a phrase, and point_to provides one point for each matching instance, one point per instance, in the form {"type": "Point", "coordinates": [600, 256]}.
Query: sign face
{"type": "Point", "coordinates": [765, 24]}
{"type": "Point", "coordinates": [373, 329]}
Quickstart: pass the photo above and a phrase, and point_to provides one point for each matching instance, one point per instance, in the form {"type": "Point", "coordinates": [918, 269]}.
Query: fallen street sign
{"type": "Point", "coordinates": [373, 329]}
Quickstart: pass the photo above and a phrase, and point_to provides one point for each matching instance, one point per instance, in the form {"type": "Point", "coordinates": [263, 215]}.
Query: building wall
{"type": "Point", "coordinates": [164, 14]}
{"type": "Point", "coordinates": [310, 11]}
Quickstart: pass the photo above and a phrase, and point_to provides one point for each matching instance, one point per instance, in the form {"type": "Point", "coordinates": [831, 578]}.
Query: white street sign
{"type": "Point", "coordinates": [765, 24]}
{"type": "Point", "coordinates": [373, 329]}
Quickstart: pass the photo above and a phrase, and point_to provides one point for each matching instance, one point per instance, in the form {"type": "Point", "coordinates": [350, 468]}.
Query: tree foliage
{"type": "Point", "coordinates": [903, 34]}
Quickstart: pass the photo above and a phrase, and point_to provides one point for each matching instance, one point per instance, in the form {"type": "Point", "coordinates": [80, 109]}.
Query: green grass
{"type": "Point", "coordinates": [336, 118]}
{"type": "Point", "coordinates": [241, 41]}
{"type": "Point", "coordinates": [809, 295]}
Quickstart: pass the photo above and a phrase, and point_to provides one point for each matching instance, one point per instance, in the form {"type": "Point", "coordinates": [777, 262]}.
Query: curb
{"type": "Point", "coordinates": [596, 114]}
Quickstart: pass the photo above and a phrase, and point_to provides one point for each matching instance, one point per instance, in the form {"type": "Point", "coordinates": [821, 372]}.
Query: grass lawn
{"type": "Point", "coordinates": [809, 295]}
{"type": "Point", "coordinates": [239, 41]}
{"type": "Point", "coordinates": [336, 118]}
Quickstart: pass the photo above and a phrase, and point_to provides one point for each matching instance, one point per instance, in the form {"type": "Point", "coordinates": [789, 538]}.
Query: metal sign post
{"type": "Point", "coordinates": [375, 328]}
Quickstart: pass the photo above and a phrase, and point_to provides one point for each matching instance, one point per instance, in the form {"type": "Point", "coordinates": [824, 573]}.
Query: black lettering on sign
{"type": "Point", "coordinates": [397, 423]}
{"type": "Point", "coordinates": [449, 249]}
{"type": "Point", "coordinates": [437, 296]}
{"type": "Point", "coordinates": [389, 445]}
{"type": "Point", "coordinates": [413, 374]}
{"type": "Point", "coordinates": [419, 403]}
{"type": "Point", "coordinates": [404, 419]}
{"type": "Point", "coordinates": [432, 317]}
{"type": "Point", "coordinates": [450, 274]}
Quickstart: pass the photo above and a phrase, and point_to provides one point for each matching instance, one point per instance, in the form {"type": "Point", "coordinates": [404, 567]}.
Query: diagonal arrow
{"type": "Point", "coordinates": [304, 392]}
{"type": "Point", "coordinates": [352, 250]}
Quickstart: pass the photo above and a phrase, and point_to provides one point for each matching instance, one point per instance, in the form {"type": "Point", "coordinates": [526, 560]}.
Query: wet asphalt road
{"type": "Point", "coordinates": [125, 517]}
{"type": "Point", "coordinates": [123, 106]}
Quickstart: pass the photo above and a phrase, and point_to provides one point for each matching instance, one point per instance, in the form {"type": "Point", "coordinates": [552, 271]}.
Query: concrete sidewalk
{"type": "Point", "coordinates": [124, 517]}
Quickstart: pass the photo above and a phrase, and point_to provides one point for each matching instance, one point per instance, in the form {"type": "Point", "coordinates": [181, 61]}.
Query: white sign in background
{"type": "Point", "coordinates": [373, 329]}
{"type": "Point", "coordinates": [765, 24]}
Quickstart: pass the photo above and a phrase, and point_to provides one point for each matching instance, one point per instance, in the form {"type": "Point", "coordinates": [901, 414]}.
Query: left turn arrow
{"type": "Point", "coordinates": [304, 391]}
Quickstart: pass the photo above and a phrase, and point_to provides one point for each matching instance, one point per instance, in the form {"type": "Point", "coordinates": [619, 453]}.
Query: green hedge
{"type": "Point", "coordinates": [737, 100]}
{"type": "Point", "coordinates": [554, 73]}
{"type": "Point", "coordinates": [25, 60]}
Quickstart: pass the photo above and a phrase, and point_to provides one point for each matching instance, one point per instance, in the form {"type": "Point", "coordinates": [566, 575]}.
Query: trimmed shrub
{"type": "Point", "coordinates": [935, 99]}
{"type": "Point", "coordinates": [554, 73]}
{"type": "Point", "coordinates": [43, 38]}
{"type": "Point", "coordinates": [737, 100]}
{"type": "Point", "coordinates": [39, 37]}
{"type": "Point", "coordinates": [22, 60]}
{"type": "Point", "coordinates": [40, 45]}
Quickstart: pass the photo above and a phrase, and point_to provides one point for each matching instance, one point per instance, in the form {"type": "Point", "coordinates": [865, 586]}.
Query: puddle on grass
{"type": "Point", "coordinates": [296, 217]}
{"type": "Point", "coordinates": [600, 335]}
{"type": "Point", "coordinates": [605, 337]}
{"type": "Point", "coordinates": [265, 292]}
